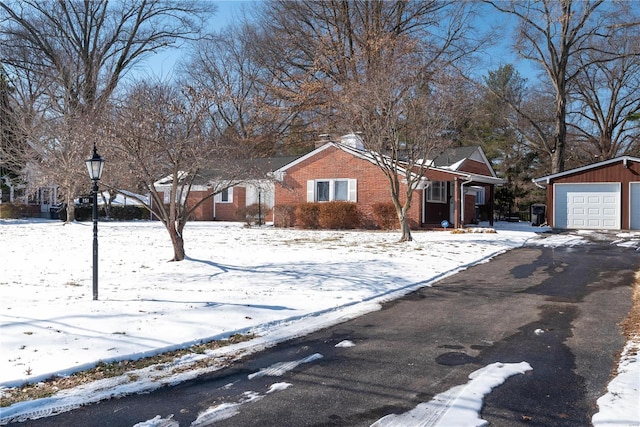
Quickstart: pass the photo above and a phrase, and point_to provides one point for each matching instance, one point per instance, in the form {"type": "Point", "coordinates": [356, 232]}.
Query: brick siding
{"type": "Point", "coordinates": [333, 163]}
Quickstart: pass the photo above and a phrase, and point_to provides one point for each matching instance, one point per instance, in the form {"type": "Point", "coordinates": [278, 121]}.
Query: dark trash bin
{"type": "Point", "coordinates": [538, 214]}
{"type": "Point", "coordinates": [54, 211]}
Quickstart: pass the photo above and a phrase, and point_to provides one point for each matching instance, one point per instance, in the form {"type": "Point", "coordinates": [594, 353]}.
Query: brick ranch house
{"type": "Point", "coordinates": [459, 186]}
{"type": "Point", "coordinates": [230, 203]}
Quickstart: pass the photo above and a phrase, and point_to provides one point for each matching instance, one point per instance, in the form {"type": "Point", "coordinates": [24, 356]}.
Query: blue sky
{"type": "Point", "coordinates": [161, 65]}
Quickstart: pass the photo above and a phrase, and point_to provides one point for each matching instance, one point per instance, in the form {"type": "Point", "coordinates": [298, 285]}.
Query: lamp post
{"type": "Point", "coordinates": [95, 165]}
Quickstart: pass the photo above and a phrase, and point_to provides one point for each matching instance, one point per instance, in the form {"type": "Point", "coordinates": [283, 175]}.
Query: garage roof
{"type": "Point", "coordinates": [547, 179]}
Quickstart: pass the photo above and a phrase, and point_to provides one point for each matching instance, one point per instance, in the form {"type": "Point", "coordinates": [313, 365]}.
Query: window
{"type": "Point", "coordinates": [341, 190]}
{"type": "Point", "coordinates": [322, 191]}
{"type": "Point", "coordinates": [225, 196]}
{"type": "Point", "coordinates": [329, 190]}
{"type": "Point", "coordinates": [480, 195]}
{"type": "Point", "coordinates": [437, 192]}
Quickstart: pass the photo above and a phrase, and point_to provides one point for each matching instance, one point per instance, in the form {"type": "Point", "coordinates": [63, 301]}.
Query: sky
{"type": "Point", "coordinates": [162, 65]}
{"type": "Point", "coordinates": [275, 283]}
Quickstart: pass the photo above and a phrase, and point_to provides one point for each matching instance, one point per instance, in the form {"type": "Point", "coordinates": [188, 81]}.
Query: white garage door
{"type": "Point", "coordinates": [587, 206]}
{"type": "Point", "coordinates": [634, 205]}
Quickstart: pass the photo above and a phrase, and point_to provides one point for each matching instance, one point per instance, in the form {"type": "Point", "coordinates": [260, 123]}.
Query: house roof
{"type": "Point", "coordinates": [461, 155]}
{"type": "Point", "coordinates": [252, 169]}
{"type": "Point", "coordinates": [454, 157]}
{"type": "Point", "coordinates": [624, 159]}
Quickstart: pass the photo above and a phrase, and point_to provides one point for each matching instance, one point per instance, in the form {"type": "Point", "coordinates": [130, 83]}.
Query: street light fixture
{"type": "Point", "coordinates": [95, 165]}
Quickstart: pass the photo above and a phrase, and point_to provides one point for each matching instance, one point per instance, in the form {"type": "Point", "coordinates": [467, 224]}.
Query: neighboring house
{"type": "Point", "coordinates": [230, 203]}
{"type": "Point", "coordinates": [458, 187]}
{"type": "Point", "coordinates": [603, 195]}
{"type": "Point", "coordinates": [37, 201]}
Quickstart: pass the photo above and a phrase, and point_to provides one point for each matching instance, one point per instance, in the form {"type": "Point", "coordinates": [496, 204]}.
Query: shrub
{"type": "Point", "coordinates": [127, 213]}
{"type": "Point", "coordinates": [307, 215]}
{"type": "Point", "coordinates": [338, 215]}
{"type": "Point", "coordinates": [284, 215]}
{"type": "Point", "coordinates": [386, 215]}
{"type": "Point", "coordinates": [9, 211]}
{"type": "Point", "coordinates": [250, 213]}
{"type": "Point", "coordinates": [82, 213]}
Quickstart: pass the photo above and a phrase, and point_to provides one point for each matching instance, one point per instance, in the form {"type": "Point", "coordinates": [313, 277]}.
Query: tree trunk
{"type": "Point", "coordinates": [406, 230]}
{"type": "Point", "coordinates": [560, 143]}
{"type": "Point", "coordinates": [401, 211]}
{"type": "Point", "coordinates": [178, 243]}
{"type": "Point", "coordinates": [404, 226]}
{"type": "Point", "coordinates": [71, 209]}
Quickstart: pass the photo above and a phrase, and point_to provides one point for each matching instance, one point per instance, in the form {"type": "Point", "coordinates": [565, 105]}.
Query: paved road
{"type": "Point", "coordinates": [556, 308]}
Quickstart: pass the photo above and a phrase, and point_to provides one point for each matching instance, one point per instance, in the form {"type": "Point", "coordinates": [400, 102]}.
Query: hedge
{"type": "Point", "coordinates": [329, 215]}
{"type": "Point", "coordinates": [386, 216]}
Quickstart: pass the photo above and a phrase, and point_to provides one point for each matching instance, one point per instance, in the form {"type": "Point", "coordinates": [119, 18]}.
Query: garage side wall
{"type": "Point", "coordinates": [614, 173]}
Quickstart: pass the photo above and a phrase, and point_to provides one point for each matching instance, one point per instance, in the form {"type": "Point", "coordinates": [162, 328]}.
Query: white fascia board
{"type": "Point", "coordinates": [485, 179]}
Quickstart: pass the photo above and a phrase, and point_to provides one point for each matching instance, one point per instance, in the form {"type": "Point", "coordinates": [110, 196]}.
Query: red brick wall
{"type": "Point", "coordinates": [473, 166]}
{"type": "Point", "coordinates": [229, 211]}
{"type": "Point", "coordinates": [223, 211]}
{"type": "Point", "coordinates": [469, 208]}
{"type": "Point", "coordinates": [333, 163]}
{"type": "Point", "coordinates": [204, 212]}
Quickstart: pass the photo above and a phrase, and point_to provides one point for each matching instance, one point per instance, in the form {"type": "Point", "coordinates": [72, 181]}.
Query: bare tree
{"type": "Point", "coordinates": [83, 49]}
{"type": "Point", "coordinates": [555, 34]}
{"type": "Point", "coordinates": [241, 106]}
{"type": "Point", "coordinates": [11, 147]}
{"type": "Point", "coordinates": [20, 152]}
{"type": "Point", "coordinates": [313, 48]}
{"type": "Point", "coordinates": [607, 95]}
{"type": "Point", "coordinates": [404, 121]}
{"type": "Point", "coordinates": [365, 66]}
{"type": "Point", "coordinates": [164, 135]}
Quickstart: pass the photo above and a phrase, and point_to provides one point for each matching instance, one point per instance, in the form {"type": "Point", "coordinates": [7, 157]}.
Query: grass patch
{"type": "Point", "coordinates": [110, 370]}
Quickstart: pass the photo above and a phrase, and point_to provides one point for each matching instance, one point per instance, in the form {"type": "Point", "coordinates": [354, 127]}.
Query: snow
{"type": "Point", "coordinates": [620, 406]}
{"type": "Point", "coordinates": [460, 405]}
{"type": "Point", "coordinates": [275, 283]}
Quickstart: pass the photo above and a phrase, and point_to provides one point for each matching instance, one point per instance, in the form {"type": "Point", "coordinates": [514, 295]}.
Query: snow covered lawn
{"type": "Point", "coordinates": [276, 283]}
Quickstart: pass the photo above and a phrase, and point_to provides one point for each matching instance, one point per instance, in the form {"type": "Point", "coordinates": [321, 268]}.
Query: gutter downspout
{"type": "Point", "coordinates": [462, 199]}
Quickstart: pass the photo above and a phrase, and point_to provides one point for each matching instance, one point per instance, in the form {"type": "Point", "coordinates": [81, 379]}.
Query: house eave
{"type": "Point", "coordinates": [546, 180]}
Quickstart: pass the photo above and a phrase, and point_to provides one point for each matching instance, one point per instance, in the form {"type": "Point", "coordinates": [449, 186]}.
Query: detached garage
{"type": "Point", "coordinates": [601, 196]}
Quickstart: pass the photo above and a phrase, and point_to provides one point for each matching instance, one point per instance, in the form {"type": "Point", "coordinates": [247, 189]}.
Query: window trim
{"type": "Point", "coordinates": [312, 190]}
{"type": "Point", "coordinates": [481, 196]}
{"type": "Point", "coordinates": [442, 185]}
{"type": "Point", "coordinates": [219, 198]}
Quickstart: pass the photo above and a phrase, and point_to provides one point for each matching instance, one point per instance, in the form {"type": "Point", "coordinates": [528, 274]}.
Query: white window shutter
{"type": "Point", "coordinates": [230, 192]}
{"type": "Point", "coordinates": [353, 190]}
{"type": "Point", "coordinates": [311, 186]}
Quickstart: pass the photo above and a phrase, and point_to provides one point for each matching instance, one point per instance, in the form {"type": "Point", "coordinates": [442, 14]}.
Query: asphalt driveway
{"type": "Point", "coordinates": [558, 309]}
